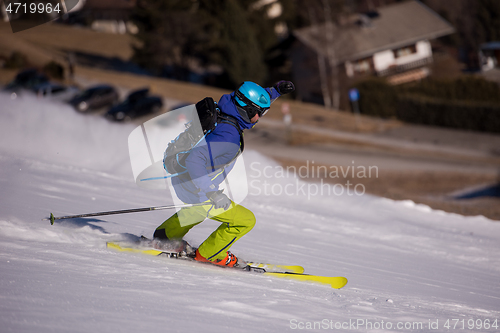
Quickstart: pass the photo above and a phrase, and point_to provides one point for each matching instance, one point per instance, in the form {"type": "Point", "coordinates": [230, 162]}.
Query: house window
{"type": "Point", "coordinates": [404, 51]}
{"type": "Point", "coordinates": [363, 65]}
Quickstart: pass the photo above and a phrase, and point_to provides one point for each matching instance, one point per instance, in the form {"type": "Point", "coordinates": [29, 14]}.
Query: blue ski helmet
{"type": "Point", "coordinates": [253, 99]}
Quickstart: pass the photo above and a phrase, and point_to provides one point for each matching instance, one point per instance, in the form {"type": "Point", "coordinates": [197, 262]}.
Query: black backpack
{"type": "Point", "coordinates": [178, 149]}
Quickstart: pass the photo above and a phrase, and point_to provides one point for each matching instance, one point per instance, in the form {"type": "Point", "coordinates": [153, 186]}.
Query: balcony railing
{"type": "Point", "coordinates": [405, 67]}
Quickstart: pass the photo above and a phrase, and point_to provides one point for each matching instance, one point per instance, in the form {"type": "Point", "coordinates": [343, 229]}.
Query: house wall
{"type": "Point", "coordinates": [424, 50]}
{"type": "Point", "coordinates": [307, 78]}
{"type": "Point", "coordinates": [305, 73]}
{"type": "Point", "coordinates": [385, 59]}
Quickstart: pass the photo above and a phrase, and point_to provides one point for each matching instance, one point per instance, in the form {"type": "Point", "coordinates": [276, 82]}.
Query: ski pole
{"type": "Point", "coordinates": [52, 218]}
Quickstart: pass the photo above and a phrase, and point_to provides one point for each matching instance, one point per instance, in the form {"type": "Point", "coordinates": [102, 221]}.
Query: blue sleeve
{"type": "Point", "coordinates": [273, 93]}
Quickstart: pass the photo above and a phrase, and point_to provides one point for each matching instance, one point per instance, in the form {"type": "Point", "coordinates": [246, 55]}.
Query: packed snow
{"type": "Point", "coordinates": [410, 268]}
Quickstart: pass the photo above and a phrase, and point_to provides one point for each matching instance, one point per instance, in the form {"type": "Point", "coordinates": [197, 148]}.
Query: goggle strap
{"type": "Point", "coordinates": [260, 110]}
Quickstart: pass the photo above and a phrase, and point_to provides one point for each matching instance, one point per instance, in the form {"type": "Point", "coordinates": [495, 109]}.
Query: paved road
{"type": "Point", "coordinates": [387, 151]}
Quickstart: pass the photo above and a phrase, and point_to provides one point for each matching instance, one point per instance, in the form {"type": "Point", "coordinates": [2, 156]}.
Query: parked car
{"type": "Point", "coordinates": [137, 103]}
{"type": "Point", "coordinates": [94, 98]}
{"type": "Point", "coordinates": [54, 91]}
{"type": "Point", "coordinates": [25, 80]}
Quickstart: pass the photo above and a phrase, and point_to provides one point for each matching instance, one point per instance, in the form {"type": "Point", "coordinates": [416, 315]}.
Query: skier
{"type": "Point", "coordinates": [208, 166]}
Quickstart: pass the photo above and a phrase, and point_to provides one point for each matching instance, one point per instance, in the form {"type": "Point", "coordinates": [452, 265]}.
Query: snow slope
{"type": "Point", "coordinates": [409, 268]}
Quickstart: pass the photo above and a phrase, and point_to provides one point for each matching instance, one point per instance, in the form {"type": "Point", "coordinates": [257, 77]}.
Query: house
{"type": "Point", "coordinates": [112, 16]}
{"type": "Point", "coordinates": [489, 54]}
{"type": "Point", "coordinates": [393, 42]}
{"type": "Point", "coordinates": [489, 61]}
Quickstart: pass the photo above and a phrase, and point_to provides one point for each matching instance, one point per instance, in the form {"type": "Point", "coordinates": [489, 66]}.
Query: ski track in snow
{"type": "Point", "coordinates": [405, 262]}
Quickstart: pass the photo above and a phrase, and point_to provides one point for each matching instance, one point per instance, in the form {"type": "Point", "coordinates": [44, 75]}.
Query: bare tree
{"type": "Point", "coordinates": [331, 54]}
{"type": "Point", "coordinates": [323, 77]}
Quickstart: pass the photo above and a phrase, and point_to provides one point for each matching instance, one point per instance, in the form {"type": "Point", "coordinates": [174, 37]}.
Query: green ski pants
{"type": "Point", "coordinates": [235, 223]}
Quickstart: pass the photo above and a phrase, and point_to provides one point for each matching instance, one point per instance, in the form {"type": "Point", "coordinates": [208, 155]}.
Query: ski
{"type": "Point", "coordinates": [291, 272]}
{"type": "Point", "coordinates": [335, 282]}
{"type": "Point", "coordinates": [144, 247]}
{"type": "Point", "coordinates": [277, 268]}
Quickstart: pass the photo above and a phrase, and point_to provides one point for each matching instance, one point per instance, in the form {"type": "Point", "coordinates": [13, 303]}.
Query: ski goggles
{"type": "Point", "coordinates": [251, 108]}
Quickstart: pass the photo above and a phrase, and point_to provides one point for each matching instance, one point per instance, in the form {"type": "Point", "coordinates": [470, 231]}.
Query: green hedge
{"type": "Point", "coordinates": [377, 98]}
{"type": "Point", "coordinates": [476, 116]}
{"type": "Point", "coordinates": [470, 102]}
{"type": "Point", "coordinates": [465, 88]}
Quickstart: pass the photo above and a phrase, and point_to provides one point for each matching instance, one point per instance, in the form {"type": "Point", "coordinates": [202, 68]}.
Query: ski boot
{"type": "Point", "coordinates": [229, 261]}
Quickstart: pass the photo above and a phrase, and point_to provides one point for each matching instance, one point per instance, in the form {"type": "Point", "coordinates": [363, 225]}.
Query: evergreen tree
{"type": "Point", "coordinates": [476, 21]}
{"type": "Point", "coordinates": [242, 54]}
{"type": "Point", "coordinates": [165, 30]}
{"type": "Point", "coordinates": [175, 33]}
{"type": "Point", "coordinates": [488, 20]}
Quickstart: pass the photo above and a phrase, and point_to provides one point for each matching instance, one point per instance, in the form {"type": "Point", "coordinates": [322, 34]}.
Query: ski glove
{"type": "Point", "coordinates": [219, 199]}
{"type": "Point", "coordinates": [284, 87]}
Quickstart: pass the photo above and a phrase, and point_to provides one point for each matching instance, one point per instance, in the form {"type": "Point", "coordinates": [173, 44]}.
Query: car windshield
{"type": "Point", "coordinates": [86, 93]}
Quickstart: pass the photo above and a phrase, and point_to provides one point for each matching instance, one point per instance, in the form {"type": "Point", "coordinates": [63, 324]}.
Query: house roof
{"type": "Point", "coordinates": [397, 25]}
